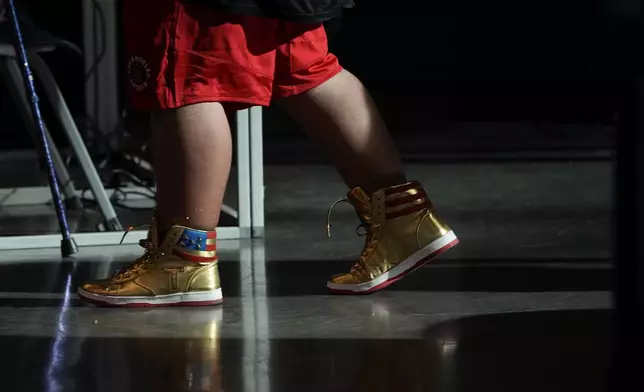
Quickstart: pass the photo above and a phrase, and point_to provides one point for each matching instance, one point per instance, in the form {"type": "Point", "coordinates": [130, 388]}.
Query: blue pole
{"type": "Point", "coordinates": [68, 245]}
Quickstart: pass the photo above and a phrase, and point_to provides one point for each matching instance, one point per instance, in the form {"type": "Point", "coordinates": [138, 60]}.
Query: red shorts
{"type": "Point", "coordinates": [181, 54]}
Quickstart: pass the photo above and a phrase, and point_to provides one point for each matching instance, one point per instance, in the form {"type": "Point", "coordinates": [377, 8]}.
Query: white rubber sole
{"type": "Point", "coordinates": [201, 298]}
{"type": "Point", "coordinates": [403, 268]}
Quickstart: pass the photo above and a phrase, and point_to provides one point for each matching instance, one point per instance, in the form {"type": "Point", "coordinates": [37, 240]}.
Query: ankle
{"type": "Point", "coordinates": [383, 182]}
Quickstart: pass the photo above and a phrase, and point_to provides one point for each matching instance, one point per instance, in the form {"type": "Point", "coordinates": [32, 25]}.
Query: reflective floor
{"type": "Point", "coordinates": [523, 304]}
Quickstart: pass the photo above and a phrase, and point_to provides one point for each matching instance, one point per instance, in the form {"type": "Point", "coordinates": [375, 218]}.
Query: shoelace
{"type": "Point", "coordinates": [368, 230]}
{"type": "Point", "coordinates": [142, 262]}
{"type": "Point", "coordinates": [328, 214]}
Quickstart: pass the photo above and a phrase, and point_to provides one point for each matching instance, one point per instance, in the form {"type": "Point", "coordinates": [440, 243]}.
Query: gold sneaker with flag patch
{"type": "Point", "coordinates": [402, 234]}
{"type": "Point", "coordinates": [179, 271]}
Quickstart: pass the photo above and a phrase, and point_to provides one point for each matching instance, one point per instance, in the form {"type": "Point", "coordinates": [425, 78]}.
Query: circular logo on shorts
{"type": "Point", "coordinates": [138, 71]}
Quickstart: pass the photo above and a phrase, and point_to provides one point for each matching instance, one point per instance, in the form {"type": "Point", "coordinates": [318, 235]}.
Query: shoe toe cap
{"type": "Point", "coordinates": [99, 288]}
{"type": "Point", "coordinates": [342, 279]}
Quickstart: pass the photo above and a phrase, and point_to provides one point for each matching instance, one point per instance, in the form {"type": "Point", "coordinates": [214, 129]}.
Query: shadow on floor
{"type": "Point", "coordinates": [442, 277]}
{"type": "Point", "coordinates": [558, 351]}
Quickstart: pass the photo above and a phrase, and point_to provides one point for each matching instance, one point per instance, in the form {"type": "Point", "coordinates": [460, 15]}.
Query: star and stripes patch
{"type": "Point", "coordinates": [196, 245]}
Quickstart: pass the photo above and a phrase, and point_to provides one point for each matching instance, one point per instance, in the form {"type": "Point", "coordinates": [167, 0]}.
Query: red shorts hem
{"type": "Point", "coordinates": [304, 88]}
{"type": "Point", "coordinates": [186, 53]}
{"type": "Point", "coordinates": [229, 103]}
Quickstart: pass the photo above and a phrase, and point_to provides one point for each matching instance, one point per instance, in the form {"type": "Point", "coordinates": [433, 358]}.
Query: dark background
{"type": "Point", "coordinates": [493, 75]}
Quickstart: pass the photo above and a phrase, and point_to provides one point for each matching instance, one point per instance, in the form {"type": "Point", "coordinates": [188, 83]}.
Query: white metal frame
{"type": "Point", "coordinates": [13, 78]}
{"type": "Point", "coordinates": [256, 152]}
{"type": "Point", "coordinates": [55, 97]}
{"type": "Point", "coordinates": [101, 94]}
{"type": "Point", "coordinates": [250, 172]}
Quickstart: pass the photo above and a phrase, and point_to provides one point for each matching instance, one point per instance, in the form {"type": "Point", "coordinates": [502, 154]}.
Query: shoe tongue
{"type": "Point", "coordinates": [357, 196]}
{"type": "Point", "coordinates": [362, 203]}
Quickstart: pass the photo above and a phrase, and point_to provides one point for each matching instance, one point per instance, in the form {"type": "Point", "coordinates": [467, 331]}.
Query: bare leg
{"type": "Point", "coordinates": [191, 152]}
{"type": "Point", "coordinates": [401, 222]}
{"type": "Point", "coordinates": [191, 155]}
{"type": "Point", "coordinates": [342, 116]}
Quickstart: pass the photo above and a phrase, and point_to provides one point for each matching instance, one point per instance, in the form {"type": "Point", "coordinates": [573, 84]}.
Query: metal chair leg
{"type": "Point", "coordinates": [14, 80]}
{"type": "Point", "coordinates": [41, 70]}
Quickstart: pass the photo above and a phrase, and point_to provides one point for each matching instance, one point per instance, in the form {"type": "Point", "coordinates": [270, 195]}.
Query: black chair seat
{"type": "Point", "coordinates": [34, 38]}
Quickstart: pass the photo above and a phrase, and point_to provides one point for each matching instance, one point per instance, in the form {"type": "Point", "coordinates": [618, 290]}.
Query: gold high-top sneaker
{"type": "Point", "coordinates": [181, 271]}
{"type": "Point", "coordinates": [402, 233]}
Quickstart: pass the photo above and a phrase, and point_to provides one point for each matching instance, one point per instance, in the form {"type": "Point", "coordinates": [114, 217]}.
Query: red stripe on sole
{"type": "Point", "coordinates": [211, 235]}
{"type": "Point", "coordinates": [149, 305]}
{"type": "Point", "coordinates": [388, 282]}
